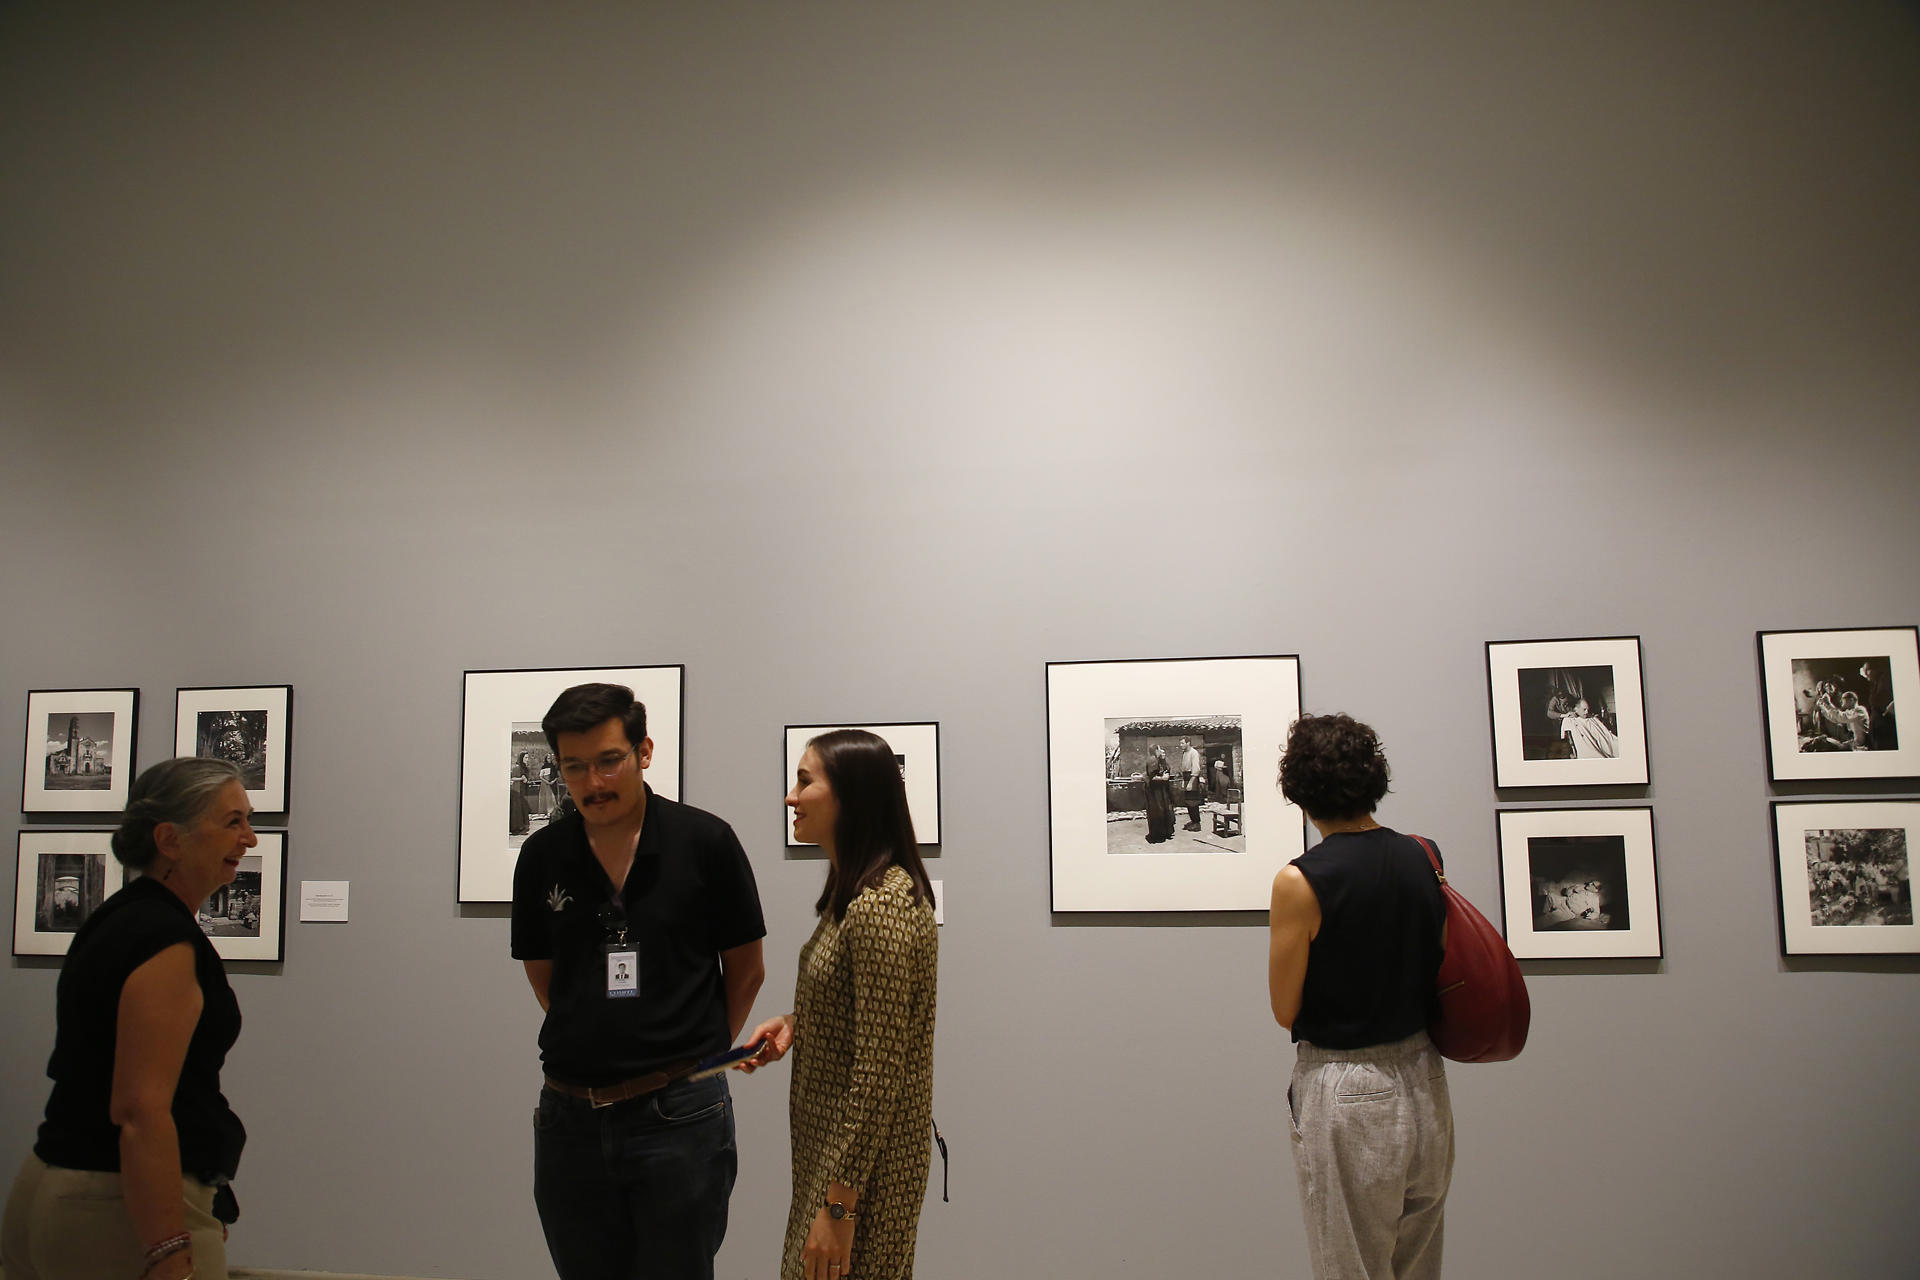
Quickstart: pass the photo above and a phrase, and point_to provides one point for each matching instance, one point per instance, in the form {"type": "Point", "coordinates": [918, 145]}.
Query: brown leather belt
{"type": "Point", "coordinates": [608, 1094]}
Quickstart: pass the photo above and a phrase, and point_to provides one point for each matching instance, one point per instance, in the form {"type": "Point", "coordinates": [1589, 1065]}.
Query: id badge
{"type": "Point", "coordinates": [623, 971]}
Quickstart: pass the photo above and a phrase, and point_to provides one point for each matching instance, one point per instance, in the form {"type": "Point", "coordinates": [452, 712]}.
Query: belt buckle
{"type": "Point", "coordinates": [593, 1099]}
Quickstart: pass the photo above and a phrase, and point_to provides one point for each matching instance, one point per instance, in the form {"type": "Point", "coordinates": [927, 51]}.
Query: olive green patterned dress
{"type": "Point", "coordinates": [862, 1100]}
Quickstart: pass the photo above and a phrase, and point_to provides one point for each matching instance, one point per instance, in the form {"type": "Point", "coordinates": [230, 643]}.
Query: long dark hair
{"type": "Point", "coordinates": [874, 830]}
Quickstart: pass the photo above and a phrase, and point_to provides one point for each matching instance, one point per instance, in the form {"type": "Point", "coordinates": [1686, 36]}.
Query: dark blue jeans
{"type": "Point", "coordinates": [637, 1190]}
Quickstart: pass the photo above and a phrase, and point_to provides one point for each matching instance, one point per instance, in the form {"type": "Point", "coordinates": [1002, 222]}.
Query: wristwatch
{"type": "Point", "coordinates": [839, 1212]}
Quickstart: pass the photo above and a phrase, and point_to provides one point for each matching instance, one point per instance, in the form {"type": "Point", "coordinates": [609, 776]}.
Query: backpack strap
{"type": "Point", "coordinates": [1432, 857]}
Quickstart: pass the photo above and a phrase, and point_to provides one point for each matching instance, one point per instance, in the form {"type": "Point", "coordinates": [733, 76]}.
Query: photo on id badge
{"type": "Point", "coordinates": [623, 972]}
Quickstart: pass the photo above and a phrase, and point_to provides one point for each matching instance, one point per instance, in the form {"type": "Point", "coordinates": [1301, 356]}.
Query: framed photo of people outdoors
{"type": "Point", "coordinates": [1831, 700]}
{"type": "Point", "coordinates": [79, 750]}
{"type": "Point", "coordinates": [1845, 873]}
{"type": "Point", "coordinates": [916, 746]}
{"type": "Point", "coordinates": [63, 876]}
{"type": "Point", "coordinates": [1567, 713]}
{"type": "Point", "coordinates": [510, 783]}
{"type": "Point", "coordinates": [1161, 782]}
{"type": "Point", "coordinates": [248, 727]}
{"type": "Point", "coordinates": [247, 918]}
{"type": "Point", "coordinates": [1578, 884]}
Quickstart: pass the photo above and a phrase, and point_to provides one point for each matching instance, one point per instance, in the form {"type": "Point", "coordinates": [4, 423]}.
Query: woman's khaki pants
{"type": "Point", "coordinates": [72, 1224]}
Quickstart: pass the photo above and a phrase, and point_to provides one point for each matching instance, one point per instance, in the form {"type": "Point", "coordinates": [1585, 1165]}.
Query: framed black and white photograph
{"type": "Point", "coordinates": [1567, 713]}
{"type": "Point", "coordinates": [1579, 884]}
{"type": "Point", "coordinates": [1845, 874]}
{"type": "Point", "coordinates": [247, 919]}
{"type": "Point", "coordinates": [510, 784]}
{"type": "Point", "coordinates": [1161, 788]}
{"type": "Point", "coordinates": [79, 750]}
{"type": "Point", "coordinates": [251, 727]}
{"type": "Point", "coordinates": [1831, 701]}
{"type": "Point", "coordinates": [916, 746]}
{"type": "Point", "coordinates": [62, 877]}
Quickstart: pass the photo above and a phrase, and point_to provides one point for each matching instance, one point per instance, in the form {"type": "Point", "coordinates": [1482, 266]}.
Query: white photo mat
{"type": "Point", "coordinates": [1506, 659]}
{"type": "Point", "coordinates": [1794, 821]}
{"type": "Point", "coordinates": [270, 944]}
{"type": "Point", "coordinates": [918, 741]}
{"type": "Point", "coordinates": [66, 914]}
{"type": "Point", "coordinates": [1779, 649]}
{"type": "Point", "coordinates": [494, 702]}
{"type": "Point", "coordinates": [1633, 825]}
{"type": "Point", "coordinates": [47, 705]}
{"type": "Point", "coordinates": [1082, 696]}
{"type": "Point", "coordinates": [275, 701]}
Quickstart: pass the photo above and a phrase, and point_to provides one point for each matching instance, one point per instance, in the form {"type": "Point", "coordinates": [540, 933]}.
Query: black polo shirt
{"type": "Point", "coordinates": [689, 896]}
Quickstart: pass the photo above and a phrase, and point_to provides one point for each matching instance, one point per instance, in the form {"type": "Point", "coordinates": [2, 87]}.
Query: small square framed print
{"type": "Point", "coordinates": [79, 750]}
{"type": "Point", "coordinates": [63, 876]}
{"type": "Point", "coordinates": [1567, 713]}
{"type": "Point", "coordinates": [916, 748]}
{"type": "Point", "coordinates": [1831, 701]}
{"type": "Point", "coordinates": [1579, 884]}
{"type": "Point", "coordinates": [247, 919]}
{"type": "Point", "coordinates": [250, 728]}
{"type": "Point", "coordinates": [1845, 874]}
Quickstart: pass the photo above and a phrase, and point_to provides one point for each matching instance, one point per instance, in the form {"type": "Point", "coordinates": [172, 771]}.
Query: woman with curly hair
{"type": "Point", "coordinates": [1356, 938]}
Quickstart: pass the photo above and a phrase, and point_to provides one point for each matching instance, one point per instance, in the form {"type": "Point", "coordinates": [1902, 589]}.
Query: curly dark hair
{"type": "Point", "coordinates": [1333, 767]}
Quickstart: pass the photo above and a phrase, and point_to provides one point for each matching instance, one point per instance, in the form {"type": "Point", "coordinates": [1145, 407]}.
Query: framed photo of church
{"type": "Point", "coordinates": [1831, 700]}
{"type": "Point", "coordinates": [1160, 776]}
{"type": "Point", "coordinates": [1844, 869]}
{"type": "Point", "coordinates": [63, 876]}
{"type": "Point", "coordinates": [248, 727]}
{"type": "Point", "coordinates": [510, 783]}
{"type": "Point", "coordinates": [1567, 713]}
{"type": "Point", "coordinates": [79, 750]}
{"type": "Point", "coordinates": [247, 918]}
{"type": "Point", "coordinates": [1579, 884]}
{"type": "Point", "coordinates": [916, 748]}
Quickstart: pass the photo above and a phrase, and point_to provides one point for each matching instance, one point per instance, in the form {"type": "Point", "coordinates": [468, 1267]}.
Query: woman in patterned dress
{"type": "Point", "coordinates": [861, 1030]}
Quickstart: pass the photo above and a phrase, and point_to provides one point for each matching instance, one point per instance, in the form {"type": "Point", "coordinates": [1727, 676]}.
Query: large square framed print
{"type": "Point", "coordinates": [248, 727]}
{"type": "Point", "coordinates": [1567, 713]}
{"type": "Point", "coordinates": [916, 746]}
{"type": "Point", "coordinates": [79, 750]}
{"type": "Point", "coordinates": [1845, 873]}
{"type": "Point", "coordinates": [510, 784]}
{"type": "Point", "coordinates": [63, 876]}
{"type": "Point", "coordinates": [247, 918]}
{"type": "Point", "coordinates": [1831, 698]}
{"type": "Point", "coordinates": [1579, 884]}
{"type": "Point", "coordinates": [1160, 776]}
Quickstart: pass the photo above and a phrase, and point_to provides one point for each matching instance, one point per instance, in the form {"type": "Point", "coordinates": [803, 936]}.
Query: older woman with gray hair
{"type": "Point", "coordinates": [128, 1178]}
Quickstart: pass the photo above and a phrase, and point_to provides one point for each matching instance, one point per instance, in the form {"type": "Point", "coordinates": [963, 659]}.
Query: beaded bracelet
{"type": "Point", "coordinates": [166, 1249]}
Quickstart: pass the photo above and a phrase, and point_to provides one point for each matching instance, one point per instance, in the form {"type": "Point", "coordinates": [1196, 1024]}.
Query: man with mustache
{"type": "Point", "coordinates": [639, 924]}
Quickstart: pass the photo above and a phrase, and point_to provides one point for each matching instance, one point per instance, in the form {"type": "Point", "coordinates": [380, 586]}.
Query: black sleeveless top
{"type": "Point", "coordinates": [1371, 969]}
{"type": "Point", "coordinates": [127, 930]}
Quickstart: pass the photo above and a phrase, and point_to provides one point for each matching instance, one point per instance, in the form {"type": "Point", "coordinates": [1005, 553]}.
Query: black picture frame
{"type": "Point", "coordinates": [1805, 674]}
{"type": "Point", "coordinates": [1535, 689]}
{"type": "Point", "coordinates": [92, 780]}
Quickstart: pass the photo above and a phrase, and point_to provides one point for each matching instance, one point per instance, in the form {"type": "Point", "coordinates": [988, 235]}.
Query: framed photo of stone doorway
{"type": "Point", "coordinates": [63, 876]}
{"type": "Point", "coordinates": [1161, 791]}
{"type": "Point", "coordinates": [510, 784]}
{"type": "Point", "coordinates": [79, 750]}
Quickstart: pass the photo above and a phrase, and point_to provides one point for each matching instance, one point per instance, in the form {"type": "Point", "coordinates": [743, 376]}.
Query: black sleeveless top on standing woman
{"type": "Point", "coordinates": [130, 928]}
{"type": "Point", "coordinates": [1371, 969]}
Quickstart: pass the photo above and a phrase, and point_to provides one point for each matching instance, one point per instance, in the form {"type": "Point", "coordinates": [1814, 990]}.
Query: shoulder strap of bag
{"type": "Point", "coordinates": [1432, 857]}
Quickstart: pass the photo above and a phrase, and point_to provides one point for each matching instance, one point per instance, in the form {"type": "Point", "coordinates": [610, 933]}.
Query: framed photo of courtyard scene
{"type": "Point", "coordinates": [250, 728]}
{"type": "Point", "coordinates": [63, 876]}
{"type": "Point", "coordinates": [510, 783]}
{"type": "Point", "coordinates": [1160, 777]}
{"type": "Point", "coordinates": [1579, 884]}
{"type": "Point", "coordinates": [247, 919]}
{"type": "Point", "coordinates": [1567, 713]}
{"type": "Point", "coordinates": [1831, 702]}
{"type": "Point", "coordinates": [1845, 874]}
{"type": "Point", "coordinates": [916, 748]}
{"type": "Point", "coordinates": [79, 750]}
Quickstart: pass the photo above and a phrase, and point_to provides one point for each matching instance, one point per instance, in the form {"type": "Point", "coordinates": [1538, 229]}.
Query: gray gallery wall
{"type": "Point", "coordinates": [864, 359]}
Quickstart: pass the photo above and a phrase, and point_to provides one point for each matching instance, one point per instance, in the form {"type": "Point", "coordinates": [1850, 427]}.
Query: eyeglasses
{"type": "Point", "coordinates": [605, 765]}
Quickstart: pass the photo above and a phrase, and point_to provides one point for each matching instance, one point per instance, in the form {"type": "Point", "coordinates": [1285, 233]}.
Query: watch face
{"type": "Point", "coordinates": [836, 1211]}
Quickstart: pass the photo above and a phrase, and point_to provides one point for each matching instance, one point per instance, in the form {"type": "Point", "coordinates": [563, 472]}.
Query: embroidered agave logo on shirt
{"type": "Point", "coordinates": [557, 898]}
